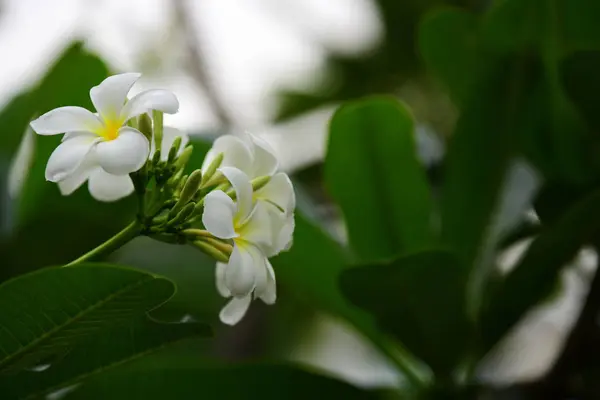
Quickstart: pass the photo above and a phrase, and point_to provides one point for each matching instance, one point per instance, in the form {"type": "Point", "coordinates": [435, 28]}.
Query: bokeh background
{"type": "Point", "coordinates": [278, 69]}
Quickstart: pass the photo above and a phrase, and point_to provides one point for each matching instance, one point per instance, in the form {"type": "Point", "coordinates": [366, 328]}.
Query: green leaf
{"type": "Point", "coordinates": [179, 380]}
{"type": "Point", "coordinates": [420, 299]}
{"type": "Point", "coordinates": [310, 272]}
{"type": "Point", "coordinates": [373, 173]}
{"type": "Point", "coordinates": [449, 44]}
{"type": "Point", "coordinates": [579, 74]}
{"type": "Point", "coordinates": [488, 126]}
{"type": "Point", "coordinates": [108, 349]}
{"type": "Point", "coordinates": [534, 277]}
{"type": "Point", "coordinates": [45, 313]}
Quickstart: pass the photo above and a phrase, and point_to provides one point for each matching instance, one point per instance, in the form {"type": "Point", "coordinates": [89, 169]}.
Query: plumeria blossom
{"type": "Point", "coordinates": [256, 234]}
{"type": "Point", "coordinates": [255, 158]}
{"type": "Point", "coordinates": [100, 148]}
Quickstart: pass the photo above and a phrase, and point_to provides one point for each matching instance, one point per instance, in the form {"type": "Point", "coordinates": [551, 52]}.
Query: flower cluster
{"type": "Point", "coordinates": [236, 208]}
{"type": "Point", "coordinates": [260, 222]}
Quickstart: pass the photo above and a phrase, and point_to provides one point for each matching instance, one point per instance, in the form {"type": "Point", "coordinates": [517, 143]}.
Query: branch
{"type": "Point", "coordinates": [196, 64]}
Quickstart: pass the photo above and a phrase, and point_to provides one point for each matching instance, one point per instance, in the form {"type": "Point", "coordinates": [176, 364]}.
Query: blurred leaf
{"type": "Point", "coordinates": [420, 299]}
{"type": "Point", "coordinates": [579, 73]}
{"type": "Point", "coordinates": [391, 63]}
{"type": "Point", "coordinates": [190, 269]}
{"type": "Point", "coordinates": [107, 349]}
{"type": "Point", "coordinates": [373, 173]}
{"type": "Point", "coordinates": [179, 380]}
{"type": "Point", "coordinates": [478, 158]}
{"type": "Point", "coordinates": [534, 277]}
{"type": "Point", "coordinates": [542, 27]}
{"type": "Point", "coordinates": [449, 44]}
{"type": "Point", "coordinates": [46, 312]}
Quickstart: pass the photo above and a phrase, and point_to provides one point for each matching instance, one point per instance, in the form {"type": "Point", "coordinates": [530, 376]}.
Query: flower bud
{"type": "Point", "coordinates": [156, 157]}
{"type": "Point", "coordinates": [157, 118]}
{"type": "Point", "coordinates": [212, 168]}
{"type": "Point", "coordinates": [174, 149]}
{"type": "Point", "coordinates": [184, 157]}
{"type": "Point", "coordinates": [260, 182]}
{"type": "Point", "coordinates": [211, 251]}
{"type": "Point", "coordinates": [145, 126]}
{"type": "Point", "coordinates": [185, 212]}
{"type": "Point", "coordinates": [192, 184]}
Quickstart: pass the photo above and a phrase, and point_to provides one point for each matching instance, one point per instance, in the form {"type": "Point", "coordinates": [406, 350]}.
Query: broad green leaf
{"type": "Point", "coordinates": [373, 173]}
{"type": "Point", "coordinates": [178, 380]}
{"type": "Point", "coordinates": [45, 313]}
{"type": "Point", "coordinates": [107, 349]}
{"type": "Point", "coordinates": [535, 275]}
{"type": "Point", "coordinates": [420, 299]}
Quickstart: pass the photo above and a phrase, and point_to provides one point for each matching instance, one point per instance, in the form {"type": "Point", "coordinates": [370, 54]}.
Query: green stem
{"type": "Point", "coordinates": [127, 234]}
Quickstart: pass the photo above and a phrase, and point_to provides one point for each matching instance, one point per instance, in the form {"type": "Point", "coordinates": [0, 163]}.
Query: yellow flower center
{"type": "Point", "coordinates": [110, 129]}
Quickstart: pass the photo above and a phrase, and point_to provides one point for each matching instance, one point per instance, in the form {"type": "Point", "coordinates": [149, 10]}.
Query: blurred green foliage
{"type": "Point", "coordinates": [415, 279]}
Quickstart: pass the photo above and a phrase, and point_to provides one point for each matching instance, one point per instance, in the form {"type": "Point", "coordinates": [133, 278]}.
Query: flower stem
{"type": "Point", "coordinates": [127, 234]}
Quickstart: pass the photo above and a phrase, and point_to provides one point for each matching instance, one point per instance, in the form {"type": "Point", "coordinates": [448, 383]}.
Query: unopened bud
{"type": "Point", "coordinates": [145, 126]}
{"type": "Point", "coordinates": [156, 157]}
{"type": "Point", "coordinates": [174, 149]}
{"type": "Point", "coordinates": [211, 251]}
{"type": "Point", "coordinates": [157, 118]}
{"type": "Point", "coordinates": [212, 168]}
{"type": "Point", "coordinates": [260, 182]}
{"type": "Point", "coordinates": [192, 184]}
{"type": "Point", "coordinates": [184, 157]}
{"type": "Point", "coordinates": [185, 212]}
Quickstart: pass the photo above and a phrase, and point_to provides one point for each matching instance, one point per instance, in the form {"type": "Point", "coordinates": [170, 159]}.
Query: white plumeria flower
{"type": "Point", "coordinates": [255, 234]}
{"type": "Point", "coordinates": [100, 148]}
{"type": "Point", "coordinates": [255, 158]}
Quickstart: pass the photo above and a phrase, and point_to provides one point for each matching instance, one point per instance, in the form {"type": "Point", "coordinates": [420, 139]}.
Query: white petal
{"type": "Point", "coordinates": [236, 154]}
{"type": "Point", "coordinates": [67, 157]}
{"type": "Point", "coordinates": [269, 295]}
{"type": "Point", "coordinates": [235, 310]}
{"type": "Point", "coordinates": [126, 154]}
{"type": "Point", "coordinates": [243, 190]}
{"type": "Point", "coordinates": [110, 95]}
{"type": "Point", "coordinates": [220, 280]}
{"type": "Point", "coordinates": [106, 187]}
{"type": "Point", "coordinates": [169, 136]}
{"type": "Point", "coordinates": [265, 161]}
{"type": "Point", "coordinates": [260, 272]}
{"type": "Point", "coordinates": [79, 176]}
{"type": "Point", "coordinates": [66, 119]}
{"type": "Point", "coordinates": [218, 214]}
{"type": "Point", "coordinates": [278, 191]}
{"type": "Point", "coordinates": [258, 228]}
{"type": "Point", "coordinates": [240, 272]}
{"type": "Point", "coordinates": [155, 99]}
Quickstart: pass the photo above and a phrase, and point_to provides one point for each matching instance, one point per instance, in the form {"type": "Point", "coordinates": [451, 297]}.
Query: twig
{"type": "Point", "coordinates": [196, 62]}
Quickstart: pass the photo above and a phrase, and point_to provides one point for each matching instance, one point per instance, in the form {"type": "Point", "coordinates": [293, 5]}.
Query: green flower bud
{"type": "Point", "coordinates": [184, 157]}
{"type": "Point", "coordinates": [212, 168]}
{"type": "Point", "coordinates": [191, 186]}
{"type": "Point", "coordinates": [156, 158]}
{"type": "Point", "coordinates": [174, 149]}
{"type": "Point", "coordinates": [260, 182]}
{"type": "Point", "coordinates": [185, 212]}
{"type": "Point", "coordinates": [211, 251]}
{"type": "Point", "coordinates": [145, 126]}
{"type": "Point", "coordinates": [157, 118]}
